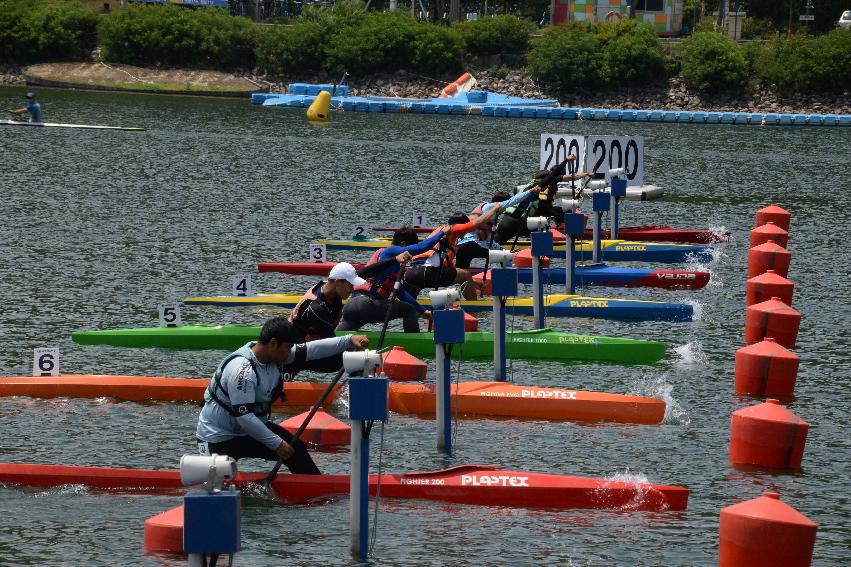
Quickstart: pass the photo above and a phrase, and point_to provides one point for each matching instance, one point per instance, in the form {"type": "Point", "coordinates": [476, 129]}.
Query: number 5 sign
{"type": "Point", "coordinates": [613, 152]}
{"type": "Point", "coordinates": [46, 362]}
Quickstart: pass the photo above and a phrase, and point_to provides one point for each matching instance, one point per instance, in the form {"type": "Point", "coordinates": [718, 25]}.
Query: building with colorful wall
{"type": "Point", "coordinates": [666, 16]}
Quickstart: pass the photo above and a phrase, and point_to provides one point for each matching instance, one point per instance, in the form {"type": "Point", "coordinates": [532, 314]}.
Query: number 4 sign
{"type": "Point", "coordinates": [241, 285]}
{"type": "Point", "coordinates": [46, 362]}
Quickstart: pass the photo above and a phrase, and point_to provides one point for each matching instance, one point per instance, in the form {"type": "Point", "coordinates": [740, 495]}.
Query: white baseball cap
{"type": "Point", "coordinates": [345, 271]}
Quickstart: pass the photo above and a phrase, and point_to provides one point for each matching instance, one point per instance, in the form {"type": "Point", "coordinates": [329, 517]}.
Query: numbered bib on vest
{"type": "Point", "coordinates": [46, 362]}
{"type": "Point", "coordinates": [241, 285]}
{"type": "Point", "coordinates": [419, 220]}
{"type": "Point", "coordinates": [169, 315]}
{"type": "Point", "coordinates": [317, 253]}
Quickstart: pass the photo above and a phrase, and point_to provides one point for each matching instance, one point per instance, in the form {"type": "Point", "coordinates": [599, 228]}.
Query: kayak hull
{"type": "Point", "coordinates": [612, 250]}
{"type": "Point", "coordinates": [59, 125]}
{"type": "Point", "coordinates": [544, 344]}
{"type": "Point", "coordinates": [466, 484]}
{"type": "Point", "coordinates": [557, 305]}
{"type": "Point", "coordinates": [593, 274]}
{"type": "Point", "coordinates": [140, 388]}
{"type": "Point", "coordinates": [508, 400]}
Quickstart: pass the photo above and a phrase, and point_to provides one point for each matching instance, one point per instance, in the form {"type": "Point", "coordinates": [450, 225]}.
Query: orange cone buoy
{"type": "Point", "coordinates": [765, 286]}
{"type": "Point", "coordinates": [164, 532]}
{"type": "Point", "coordinates": [766, 369]}
{"type": "Point", "coordinates": [324, 430]}
{"type": "Point", "coordinates": [773, 213]}
{"type": "Point", "coordinates": [772, 318]}
{"type": "Point", "coordinates": [403, 367]}
{"type": "Point", "coordinates": [767, 435]}
{"type": "Point", "coordinates": [768, 256]}
{"type": "Point", "coordinates": [523, 259]}
{"type": "Point", "coordinates": [765, 532]}
{"type": "Point", "coordinates": [769, 231]}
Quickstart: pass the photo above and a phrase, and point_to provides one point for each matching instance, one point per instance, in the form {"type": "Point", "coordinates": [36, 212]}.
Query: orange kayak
{"type": "Point", "coordinates": [139, 388]}
{"type": "Point", "coordinates": [509, 400]}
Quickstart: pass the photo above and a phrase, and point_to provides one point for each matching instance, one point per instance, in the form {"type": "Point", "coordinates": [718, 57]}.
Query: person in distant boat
{"type": "Point", "coordinates": [319, 312]}
{"type": "Point", "coordinates": [477, 243]}
{"type": "Point", "coordinates": [370, 301]}
{"type": "Point", "coordinates": [436, 267]}
{"type": "Point", "coordinates": [513, 222]}
{"type": "Point", "coordinates": [33, 107]}
{"type": "Point", "coordinates": [238, 402]}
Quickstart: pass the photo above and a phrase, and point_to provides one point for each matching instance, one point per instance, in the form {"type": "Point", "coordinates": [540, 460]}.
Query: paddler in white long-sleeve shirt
{"type": "Point", "coordinates": [238, 403]}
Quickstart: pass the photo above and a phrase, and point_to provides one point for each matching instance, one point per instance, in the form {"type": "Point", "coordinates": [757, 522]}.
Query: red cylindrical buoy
{"type": "Point", "coordinates": [770, 284]}
{"type": "Point", "coordinates": [767, 435]}
{"type": "Point", "coordinates": [766, 369]}
{"type": "Point", "coordinates": [323, 430]}
{"type": "Point", "coordinates": [772, 318]}
{"type": "Point", "coordinates": [523, 259]}
{"type": "Point", "coordinates": [768, 256]}
{"type": "Point", "coordinates": [769, 231]}
{"type": "Point", "coordinates": [772, 213]}
{"type": "Point", "coordinates": [403, 367]}
{"type": "Point", "coordinates": [164, 532]}
{"type": "Point", "coordinates": [765, 532]}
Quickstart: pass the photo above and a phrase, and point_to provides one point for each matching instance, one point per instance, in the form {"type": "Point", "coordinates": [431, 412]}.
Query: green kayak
{"type": "Point", "coordinates": [544, 344]}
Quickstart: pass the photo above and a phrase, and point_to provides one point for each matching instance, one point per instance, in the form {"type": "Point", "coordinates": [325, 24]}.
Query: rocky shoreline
{"type": "Point", "coordinates": [669, 95]}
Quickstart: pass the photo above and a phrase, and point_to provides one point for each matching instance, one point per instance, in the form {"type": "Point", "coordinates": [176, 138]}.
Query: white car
{"type": "Point", "coordinates": [845, 20]}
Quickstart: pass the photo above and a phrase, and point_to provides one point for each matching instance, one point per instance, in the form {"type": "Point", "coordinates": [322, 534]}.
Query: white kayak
{"type": "Point", "coordinates": [58, 125]}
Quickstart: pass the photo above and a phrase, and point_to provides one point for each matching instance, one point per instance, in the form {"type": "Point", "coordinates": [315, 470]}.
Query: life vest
{"type": "Point", "coordinates": [483, 233]}
{"type": "Point", "coordinates": [262, 407]}
{"type": "Point", "coordinates": [445, 247]}
{"type": "Point", "coordinates": [310, 334]}
{"type": "Point", "coordinates": [381, 285]}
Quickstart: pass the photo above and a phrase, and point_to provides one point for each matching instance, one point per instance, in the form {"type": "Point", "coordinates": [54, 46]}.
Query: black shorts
{"type": "Point", "coordinates": [246, 446]}
{"type": "Point", "coordinates": [467, 252]}
{"type": "Point", "coordinates": [418, 278]}
{"type": "Point", "coordinates": [508, 228]}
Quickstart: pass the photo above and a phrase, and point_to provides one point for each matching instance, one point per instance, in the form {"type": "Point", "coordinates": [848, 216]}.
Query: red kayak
{"type": "Point", "coordinates": [646, 233]}
{"type": "Point", "coordinates": [465, 484]}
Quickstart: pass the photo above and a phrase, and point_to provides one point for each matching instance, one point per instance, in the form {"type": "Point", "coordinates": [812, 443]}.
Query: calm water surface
{"type": "Point", "coordinates": [100, 227]}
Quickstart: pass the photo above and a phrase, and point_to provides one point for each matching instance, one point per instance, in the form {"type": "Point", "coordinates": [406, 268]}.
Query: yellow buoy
{"type": "Point", "coordinates": [318, 111]}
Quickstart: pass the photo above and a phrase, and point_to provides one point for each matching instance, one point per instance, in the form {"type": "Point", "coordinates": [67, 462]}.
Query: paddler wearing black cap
{"type": "Point", "coordinates": [370, 302]}
{"type": "Point", "coordinates": [238, 402]}
{"type": "Point", "coordinates": [513, 222]}
{"type": "Point", "coordinates": [33, 107]}
{"type": "Point", "coordinates": [436, 267]}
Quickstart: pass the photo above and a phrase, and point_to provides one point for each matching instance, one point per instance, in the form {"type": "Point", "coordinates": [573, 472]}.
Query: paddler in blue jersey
{"type": "Point", "coordinates": [370, 301]}
{"type": "Point", "coordinates": [33, 107]}
{"type": "Point", "coordinates": [238, 402]}
{"type": "Point", "coordinates": [477, 243]}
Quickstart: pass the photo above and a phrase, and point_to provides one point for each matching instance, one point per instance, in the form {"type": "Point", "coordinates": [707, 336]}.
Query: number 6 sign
{"type": "Point", "coordinates": [46, 362]}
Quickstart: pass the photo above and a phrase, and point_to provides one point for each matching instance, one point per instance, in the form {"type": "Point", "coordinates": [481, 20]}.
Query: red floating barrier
{"type": "Point", "coordinates": [164, 532]}
{"type": "Point", "coordinates": [766, 369]}
{"type": "Point", "coordinates": [403, 367]}
{"type": "Point", "coordinates": [772, 213]}
{"type": "Point", "coordinates": [523, 259]}
{"type": "Point", "coordinates": [770, 284]}
{"type": "Point", "coordinates": [768, 256]}
{"type": "Point", "coordinates": [769, 231]}
{"type": "Point", "coordinates": [765, 532]}
{"type": "Point", "coordinates": [323, 430]}
{"type": "Point", "coordinates": [471, 323]}
{"type": "Point", "coordinates": [767, 435]}
{"type": "Point", "coordinates": [772, 318]}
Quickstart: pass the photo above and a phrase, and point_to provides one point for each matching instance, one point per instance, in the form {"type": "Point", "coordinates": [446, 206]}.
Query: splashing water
{"type": "Point", "coordinates": [721, 234]}
{"type": "Point", "coordinates": [640, 483]}
{"type": "Point", "coordinates": [690, 354]}
{"type": "Point", "coordinates": [658, 387]}
{"type": "Point", "coordinates": [697, 309]}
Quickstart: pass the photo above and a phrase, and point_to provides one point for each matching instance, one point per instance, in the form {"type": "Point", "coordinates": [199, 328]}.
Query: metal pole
{"type": "Point", "coordinates": [570, 265]}
{"type": "Point", "coordinates": [359, 493]}
{"type": "Point", "coordinates": [499, 365]}
{"type": "Point", "coordinates": [442, 400]}
{"type": "Point", "coordinates": [597, 253]}
{"type": "Point", "coordinates": [537, 293]}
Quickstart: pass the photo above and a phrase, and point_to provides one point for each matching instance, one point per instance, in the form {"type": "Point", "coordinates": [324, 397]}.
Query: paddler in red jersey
{"type": "Point", "coordinates": [436, 267]}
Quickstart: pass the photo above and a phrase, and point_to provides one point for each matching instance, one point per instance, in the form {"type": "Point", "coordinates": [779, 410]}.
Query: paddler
{"type": "Point", "coordinates": [370, 301]}
{"type": "Point", "coordinates": [321, 308]}
{"type": "Point", "coordinates": [33, 107]}
{"type": "Point", "coordinates": [477, 243]}
{"type": "Point", "coordinates": [513, 222]}
{"type": "Point", "coordinates": [238, 402]}
{"type": "Point", "coordinates": [436, 267]}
